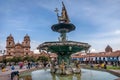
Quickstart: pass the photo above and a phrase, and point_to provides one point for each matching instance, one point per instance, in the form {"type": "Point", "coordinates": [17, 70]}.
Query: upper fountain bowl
{"type": "Point", "coordinates": [63, 27]}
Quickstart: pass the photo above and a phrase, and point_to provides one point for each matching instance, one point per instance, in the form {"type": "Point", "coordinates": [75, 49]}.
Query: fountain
{"type": "Point", "coordinates": [64, 48]}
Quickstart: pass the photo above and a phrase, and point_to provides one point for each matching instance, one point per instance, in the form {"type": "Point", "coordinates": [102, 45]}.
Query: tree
{"type": "Point", "coordinates": [43, 58]}
{"type": "Point", "coordinates": [28, 58]}
{"type": "Point", "coordinates": [16, 59]}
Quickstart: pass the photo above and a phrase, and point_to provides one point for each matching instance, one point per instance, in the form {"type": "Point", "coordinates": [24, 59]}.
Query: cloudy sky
{"type": "Point", "coordinates": [97, 21]}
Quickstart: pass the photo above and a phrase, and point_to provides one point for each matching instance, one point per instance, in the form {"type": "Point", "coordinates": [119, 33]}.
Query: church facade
{"type": "Point", "coordinates": [18, 49]}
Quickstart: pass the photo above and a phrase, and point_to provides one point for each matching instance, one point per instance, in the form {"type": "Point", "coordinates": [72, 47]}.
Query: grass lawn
{"type": "Point", "coordinates": [113, 67]}
{"type": "Point", "coordinates": [108, 67]}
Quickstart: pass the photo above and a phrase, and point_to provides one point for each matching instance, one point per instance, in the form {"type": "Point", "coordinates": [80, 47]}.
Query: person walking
{"type": "Point", "coordinates": [29, 65]}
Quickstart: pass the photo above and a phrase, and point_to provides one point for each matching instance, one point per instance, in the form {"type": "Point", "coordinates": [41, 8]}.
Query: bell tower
{"type": "Point", "coordinates": [26, 44]}
{"type": "Point", "coordinates": [10, 44]}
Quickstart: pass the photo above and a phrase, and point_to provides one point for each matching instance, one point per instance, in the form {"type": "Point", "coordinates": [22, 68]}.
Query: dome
{"type": "Point", "coordinates": [18, 44]}
{"type": "Point", "coordinates": [108, 49]}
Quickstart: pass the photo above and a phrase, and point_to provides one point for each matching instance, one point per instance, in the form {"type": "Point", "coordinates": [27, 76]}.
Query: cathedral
{"type": "Point", "coordinates": [18, 49]}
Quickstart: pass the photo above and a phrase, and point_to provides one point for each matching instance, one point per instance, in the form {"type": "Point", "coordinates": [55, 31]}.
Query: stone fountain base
{"type": "Point", "coordinates": [76, 70]}
{"type": "Point", "coordinates": [67, 71]}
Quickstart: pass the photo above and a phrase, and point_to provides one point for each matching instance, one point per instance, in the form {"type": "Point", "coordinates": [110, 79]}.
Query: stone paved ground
{"type": "Point", "coordinates": [6, 75]}
{"type": "Point", "coordinates": [117, 79]}
{"type": "Point", "coordinates": [118, 71]}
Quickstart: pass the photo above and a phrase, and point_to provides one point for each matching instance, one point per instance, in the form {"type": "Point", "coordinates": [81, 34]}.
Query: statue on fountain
{"type": "Point", "coordinates": [62, 67]}
{"type": "Point", "coordinates": [77, 67]}
{"type": "Point", "coordinates": [64, 16]}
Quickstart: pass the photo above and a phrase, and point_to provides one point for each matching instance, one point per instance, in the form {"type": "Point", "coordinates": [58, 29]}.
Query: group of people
{"type": "Point", "coordinates": [23, 65]}
{"type": "Point", "coordinates": [31, 64]}
{"type": "Point", "coordinates": [102, 65]}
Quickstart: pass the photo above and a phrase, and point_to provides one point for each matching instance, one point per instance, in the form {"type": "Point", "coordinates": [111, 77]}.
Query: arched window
{"type": "Point", "coordinates": [9, 43]}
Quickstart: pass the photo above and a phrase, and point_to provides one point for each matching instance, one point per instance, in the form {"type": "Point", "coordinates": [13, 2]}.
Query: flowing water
{"type": "Point", "coordinates": [85, 75]}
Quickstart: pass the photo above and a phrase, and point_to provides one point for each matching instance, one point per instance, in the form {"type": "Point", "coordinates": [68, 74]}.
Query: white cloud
{"type": "Point", "coordinates": [100, 44]}
{"type": "Point", "coordinates": [2, 45]}
{"type": "Point", "coordinates": [117, 32]}
{"type": "Point", "coordinates": [34, 44]}
{"type": "Point", "coordinates": [2, 41]}
{"type": "Point", "coordinates": [92, 50]}
{"type": "Point", "coordinates": [36, 52]}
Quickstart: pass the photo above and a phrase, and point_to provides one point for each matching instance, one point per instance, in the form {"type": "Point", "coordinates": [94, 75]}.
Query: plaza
{"type": "Point", "coordinates": [70, 57]}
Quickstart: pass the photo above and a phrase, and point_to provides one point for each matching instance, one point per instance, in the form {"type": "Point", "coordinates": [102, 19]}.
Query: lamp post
{"type": "Point", "coordinates": [2, 52]}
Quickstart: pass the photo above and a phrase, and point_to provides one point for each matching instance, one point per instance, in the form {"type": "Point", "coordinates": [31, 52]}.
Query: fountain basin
{"type": "Point", "coordinates": [85, 75]}
{"type": "Point", "coordinates": [58, 46]}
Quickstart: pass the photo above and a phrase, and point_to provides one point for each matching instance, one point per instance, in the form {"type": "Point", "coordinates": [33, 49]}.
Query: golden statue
{"type": "Point", "coordinates": [62, 66]}
{"type": "Point", "coordinates": [77, 65]}
{"type": "Point", "coordinates": [64, 16]}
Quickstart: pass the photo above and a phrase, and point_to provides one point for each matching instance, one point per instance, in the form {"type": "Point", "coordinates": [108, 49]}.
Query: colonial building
{"type": "Point", "coordinates": [108, 56]}
{"type": "Point", "coordinates": [18, 49]}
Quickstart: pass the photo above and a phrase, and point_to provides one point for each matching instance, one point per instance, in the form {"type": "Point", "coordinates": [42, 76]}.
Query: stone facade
{"type": "Point", "coordinates": [17, 49]}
